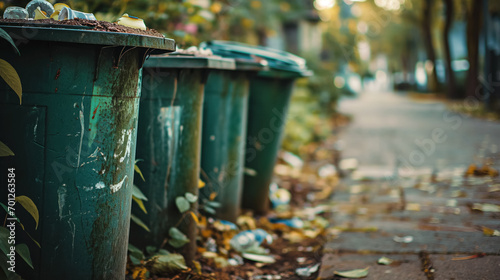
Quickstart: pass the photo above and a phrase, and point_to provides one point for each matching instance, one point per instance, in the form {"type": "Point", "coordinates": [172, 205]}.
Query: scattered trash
{"type": "Point", "coordinates": [458, 193]}
{"type": "Point", "coordinates": [486, 207]}
{"type": "Point", "coordinates": [405, 239]}
{"type": "Point", "coordinates": [267, 277]}
{"type": "Point", "coordinates": [451, 203]}
{"type": "Point", "coordinates": [480, 255]}
{"type": "Point", "coordinates": [279, 196]}
{"type": "Point", "coordinates": [308, 270]}
{"type": "Point", "coordinates": [250, 240]}
{"type": "Point", "coordinates": [385, 261]}
{"type": "Point", "coordinates": [490, 232]}
{"type": "Point", "coordinates": [236, 260]}
{"type": "Point", "coordinates": [211, 245]}
{"type": "Point", "coordinates": [293, 223]}
{"type": "Point", "coordinates": [494, 188]}
{"type": "Point", "coordinates": [355, 274]}
{"type": "Point", "coordinates": [258, 258]}
{"type": "Point", "coordinates": [129, 21]}
{"type": "Point", "coordinates": [222, 225]}
{"type": "Point", "coordinates": [328, 170]}
{"type": "Point", "coordinates": [39, 14]}
{"type": "Point", "coordinates": [348, 164]}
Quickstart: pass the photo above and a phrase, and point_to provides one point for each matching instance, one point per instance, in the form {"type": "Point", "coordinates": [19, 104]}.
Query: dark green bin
{"type": "Point", "coordinates": [223, 138]}
{"type": "Point", "coordinates": [74, 143]}
{"type": "Point", "coordinates": [169, 138]}
{"type": "Point", "coordinates": [270, 93]}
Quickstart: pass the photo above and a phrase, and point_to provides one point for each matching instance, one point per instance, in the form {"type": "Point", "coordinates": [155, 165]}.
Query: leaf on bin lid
{"type": "Point", "coordinates": [259, 258]}
{"type": "Point", "coordinates": [5, 151]}
{"type": "Point", "coordinates": [354, 274]}
{"type": "Point", "coordinates": [139, 222]}
{"type": "Point", "coordinates": [30, 206]}
{"type": "Point", "coordinates": [182, 204]}
{"type": "Point", "coordinates": [385, 261]}
{"type": "Point", "coordinates": [191, 197]}
{"type": "Point", "coordinates": [138, 193]}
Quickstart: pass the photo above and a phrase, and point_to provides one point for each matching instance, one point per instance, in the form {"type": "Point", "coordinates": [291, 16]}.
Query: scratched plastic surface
{"type": "Point", "coordinates": [74, 140]}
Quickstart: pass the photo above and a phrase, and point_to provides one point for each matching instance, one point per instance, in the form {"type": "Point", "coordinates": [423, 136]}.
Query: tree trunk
{"type": "Point", "coordinates": [473, 29]}
{"type": "Point", "coordinates": [451, 90]}
{"type": "Point", "coordinates": [429, 47]}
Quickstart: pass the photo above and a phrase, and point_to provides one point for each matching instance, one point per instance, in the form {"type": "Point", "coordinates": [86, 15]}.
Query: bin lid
{"type": "Point", "coordinates": [175, 60]}
{"type": "Point", "coordinates": [85, 35]}
{"type": "Point", "coordinates": [276, 59]}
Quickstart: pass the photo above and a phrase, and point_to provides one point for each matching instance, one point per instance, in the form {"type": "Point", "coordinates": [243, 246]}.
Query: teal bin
{"type": "Point", "coordinates": [270, 92]}
{"type": "Point", "coordinates": [168, 145]}
{"type": "Point", "coordinates": [223, 139]}
{"type": "Point", "coordinates": [74, 138]}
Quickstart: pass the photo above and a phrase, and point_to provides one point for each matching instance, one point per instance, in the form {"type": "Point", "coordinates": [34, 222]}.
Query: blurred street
{"type": "Point", "coordinates": [408, 198]}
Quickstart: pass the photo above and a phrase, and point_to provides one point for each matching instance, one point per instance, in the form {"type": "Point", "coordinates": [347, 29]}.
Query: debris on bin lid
{"type": "Point", "coordinates": [131, 21]}
{"type": "Point", "coordinates": [14, 12]}
{"type": "Point", "coordinates": [44, 6]}
{"type": "Point", "coordinates": [39, 14]}
{"type": "Point", "coordinates": [68, 13]}
{"type": "Point", "coordinates": [194, 51]}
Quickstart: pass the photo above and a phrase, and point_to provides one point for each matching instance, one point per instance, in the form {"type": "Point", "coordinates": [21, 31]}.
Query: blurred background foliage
{"type": "Point", "coordinates": [351, 45]}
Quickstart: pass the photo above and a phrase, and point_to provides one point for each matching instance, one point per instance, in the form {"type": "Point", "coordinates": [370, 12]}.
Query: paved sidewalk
{"type": "Point", "coordinates": [409, 186]}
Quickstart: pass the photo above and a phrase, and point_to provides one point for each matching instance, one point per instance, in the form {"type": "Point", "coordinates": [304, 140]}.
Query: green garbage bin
{"type": "Point", "coordinates": [223, 138]}
{"type": "Point", "coordinates": [270, 93]}
{"type": "Point", "coordinates": [169, 144]}
{"type": "Point", "coordinates": [74, 138]}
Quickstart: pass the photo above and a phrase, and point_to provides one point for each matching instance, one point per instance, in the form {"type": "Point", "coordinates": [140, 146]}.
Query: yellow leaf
{"type": "Point", "coordinates": [5, 151]}
{"type": "Point", "coordinates": [201, 184]}
{"type": "Point", "coordinates": [28, 204]}
{"type": "Point", "coordinates": [136, 168]}
{"type": "Point", "coordinates": [140, 203]}
{"type": "Point", "coordinates": [195, 218]}
{"type": "Point", "coordinates": [10, 76]}
{"type": "Point", "coordinates": [213, 195]}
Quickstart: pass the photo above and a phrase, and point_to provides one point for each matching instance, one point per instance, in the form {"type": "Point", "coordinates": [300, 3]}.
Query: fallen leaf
{"type": "Point", "coordinates": [355, 274]}
{"type": "Point", "coordinates": [385, 261]}
{"type": "Point", "coordinates": [490, 232]}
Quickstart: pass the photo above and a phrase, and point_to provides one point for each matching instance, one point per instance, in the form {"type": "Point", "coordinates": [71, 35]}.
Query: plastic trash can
{"type": "Point", "coordinates": [223, 138]}
{"type": "Point", "coordinates": [170, 119]}
{"type": "Point", "coordinates": [270, 92]}
{"type": "Point", "coordinates": [74, 138]}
